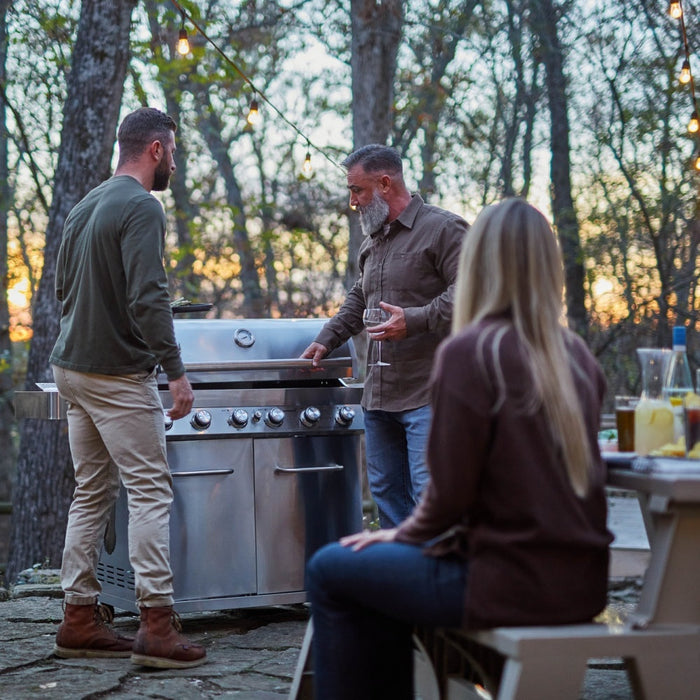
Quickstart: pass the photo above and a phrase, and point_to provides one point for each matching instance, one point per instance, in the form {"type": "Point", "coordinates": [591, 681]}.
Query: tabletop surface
{"type": "Point", "coordinates": [677, 479]}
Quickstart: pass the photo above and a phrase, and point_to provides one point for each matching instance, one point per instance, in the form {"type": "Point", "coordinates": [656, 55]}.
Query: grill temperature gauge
{"type": "Point", "coordinates": [345, 415]}
{"type": "Point", "coordinates": [201, 420]}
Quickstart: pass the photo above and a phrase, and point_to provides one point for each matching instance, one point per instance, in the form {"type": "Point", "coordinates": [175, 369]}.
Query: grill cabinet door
{"type": "Point", "coordinates": [212, 523]}
{"type": "Point", "coordinates": [307, 493]}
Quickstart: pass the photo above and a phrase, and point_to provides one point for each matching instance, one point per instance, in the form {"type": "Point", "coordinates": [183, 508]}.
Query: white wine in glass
{"type": "Point", "coordinates": [371, 318]}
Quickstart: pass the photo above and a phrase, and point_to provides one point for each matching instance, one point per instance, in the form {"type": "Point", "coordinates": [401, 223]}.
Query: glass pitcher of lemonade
{"type": "Point", "coordinates": [653, 417]}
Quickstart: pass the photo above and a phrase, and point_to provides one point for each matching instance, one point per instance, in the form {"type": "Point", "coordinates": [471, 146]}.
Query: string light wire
{"type": "Point", "coordinates": [676, 11]}
{"type": "Point", "coordinates": [249, 82]}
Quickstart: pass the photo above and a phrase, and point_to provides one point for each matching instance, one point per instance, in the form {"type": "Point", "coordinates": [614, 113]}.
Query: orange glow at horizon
{"type": "Point", "coordinates": [18, 301]}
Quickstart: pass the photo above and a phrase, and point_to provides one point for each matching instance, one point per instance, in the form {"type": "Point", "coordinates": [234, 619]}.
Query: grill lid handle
{"type": "Point", "coordinates": [265, 364]}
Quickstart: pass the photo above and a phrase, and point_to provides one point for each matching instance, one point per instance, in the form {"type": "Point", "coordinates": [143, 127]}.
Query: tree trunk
{"type": "Point", "coordinates": [376, 34]}
{"type": "Point", "coordinates": [7, 419]}
{"type": "Point", "coordinates": [544, 18]}
{"type": "Point", "coordinates": [44, 483]}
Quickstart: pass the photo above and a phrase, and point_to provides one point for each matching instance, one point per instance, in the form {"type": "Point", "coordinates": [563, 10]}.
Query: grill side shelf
{"type": "Point", "coordinates": [46, 404]}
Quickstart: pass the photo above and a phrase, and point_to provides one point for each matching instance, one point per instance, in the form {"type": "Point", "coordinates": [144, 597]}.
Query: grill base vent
{"type": "Point", "coordinates": [115, 576]}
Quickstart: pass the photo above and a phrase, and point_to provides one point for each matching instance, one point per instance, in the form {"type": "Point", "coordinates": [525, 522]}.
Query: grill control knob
{"type": "Point", "coordinates": [310, 416]}
{"type": "Point", "coordinates": [345, 415]}
{"type": "Point", "coordinates": [168, 421]}
{"type": "Point", "coordinates": [239, 418]}
{"type": "Point", "coordinates": [201, 420]}
{"type": "Point", "coordinates": [274, 417]}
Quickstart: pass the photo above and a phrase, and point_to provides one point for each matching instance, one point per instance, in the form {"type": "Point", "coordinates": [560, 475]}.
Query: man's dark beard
{"type": "Point", "coordinates": [161, 177]}
{"type": "Point", "coordinates": [373, 215]}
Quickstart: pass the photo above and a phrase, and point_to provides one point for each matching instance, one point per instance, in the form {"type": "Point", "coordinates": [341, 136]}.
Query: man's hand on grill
{"type": "Point", "coordinates": [183, 398]}
{"type": "Point", "coordinates": [316, 352]}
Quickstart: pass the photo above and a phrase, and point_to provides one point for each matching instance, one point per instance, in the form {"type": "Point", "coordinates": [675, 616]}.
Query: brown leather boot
{"type": "Point", "coordinates": [84, 633]}
{"type": "Point", "coordinates": [159, 643]}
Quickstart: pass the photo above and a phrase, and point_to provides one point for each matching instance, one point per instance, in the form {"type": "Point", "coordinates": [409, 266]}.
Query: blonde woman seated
{"type": "Point", "coordinates": [511, 529]}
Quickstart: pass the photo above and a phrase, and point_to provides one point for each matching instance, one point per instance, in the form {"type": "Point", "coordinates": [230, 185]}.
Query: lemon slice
{"type": "Point", "coordinates": [692, 400]}
{"type": "Point", "coordinates": [662, 417]}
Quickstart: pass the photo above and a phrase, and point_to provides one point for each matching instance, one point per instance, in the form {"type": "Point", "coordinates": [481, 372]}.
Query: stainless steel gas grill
{"type": "Point", "coordinates": [266, 468]}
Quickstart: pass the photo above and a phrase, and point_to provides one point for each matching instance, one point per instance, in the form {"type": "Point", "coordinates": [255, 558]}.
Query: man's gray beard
{"type": "Point", "coordinates": [373, 215]}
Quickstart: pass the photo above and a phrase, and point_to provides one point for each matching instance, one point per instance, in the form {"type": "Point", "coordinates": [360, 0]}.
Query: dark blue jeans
{"type": "Point", "coordinates": [364, 606]}
{"type": "Point", "coordinates": [395, 446]}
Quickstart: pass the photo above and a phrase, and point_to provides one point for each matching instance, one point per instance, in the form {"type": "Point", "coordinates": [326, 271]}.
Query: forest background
{"type": "Point", "coordinates": [575, 105]}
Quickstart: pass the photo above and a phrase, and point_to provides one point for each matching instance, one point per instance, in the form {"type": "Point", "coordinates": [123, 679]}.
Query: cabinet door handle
{"type": "Point", "coordinates": [204, 472]}
{"type": "Point", "coordinates": [306, 470]}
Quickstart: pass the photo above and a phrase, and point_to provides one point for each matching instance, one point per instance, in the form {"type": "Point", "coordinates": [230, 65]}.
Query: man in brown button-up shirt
{"type": "Point", "coordinates": [408, 264]}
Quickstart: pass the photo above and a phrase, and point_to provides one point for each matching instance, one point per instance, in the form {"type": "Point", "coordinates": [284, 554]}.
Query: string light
{"type": "Point", "coordinates": [697, 162]}
{"type": "Point", "coordinates": [694, 123]}
{"type": "Point", "coordinates": [254, 106]}
{"type": "Point", "coordinates": [183, 43]}
{"type": "Point", "coordinates": [307, 168]}
{"type": "Point", "coordinates": [675, 9]}
{"type": "Point", "coordinates": [684, 76]}
{"type": "Point", "coordinates": [253, 117]}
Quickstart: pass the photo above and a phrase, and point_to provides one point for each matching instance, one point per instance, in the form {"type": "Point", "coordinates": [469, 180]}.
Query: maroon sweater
{"type": "Point", "coordinates": [537, 553]}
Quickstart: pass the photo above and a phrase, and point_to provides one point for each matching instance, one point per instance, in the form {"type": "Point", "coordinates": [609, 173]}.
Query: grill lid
{"type": "Point", "coordinates": [254, 350]}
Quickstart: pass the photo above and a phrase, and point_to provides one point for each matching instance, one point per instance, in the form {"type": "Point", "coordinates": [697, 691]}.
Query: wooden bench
{"type": "Point", "coordinates": [549, 663]}
{"type": "Point", "coordinates": [541, 663]}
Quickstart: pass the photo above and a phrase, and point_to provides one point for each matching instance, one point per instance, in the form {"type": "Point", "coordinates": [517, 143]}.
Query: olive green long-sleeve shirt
{"type": "Point", "coordinates": [116, 316]}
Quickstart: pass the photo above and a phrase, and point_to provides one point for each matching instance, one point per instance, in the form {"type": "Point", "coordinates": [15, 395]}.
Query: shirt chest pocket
{"type": "Point", "coordinates": [410, 270]}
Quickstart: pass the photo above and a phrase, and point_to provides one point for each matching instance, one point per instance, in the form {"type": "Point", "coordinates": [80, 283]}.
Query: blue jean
{"type": "Point", "coordinates": [364, 606]}
{"type": "Point", "coordinates": [397, 472]}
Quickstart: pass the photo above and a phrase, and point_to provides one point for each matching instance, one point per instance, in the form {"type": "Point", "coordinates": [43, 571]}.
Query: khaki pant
{"type": "Point", "coordinates": [116, 431]}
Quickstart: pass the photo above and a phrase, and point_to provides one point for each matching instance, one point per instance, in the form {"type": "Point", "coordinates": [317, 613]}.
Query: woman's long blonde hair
{"type": "Point", "coordinates": [510, 262]}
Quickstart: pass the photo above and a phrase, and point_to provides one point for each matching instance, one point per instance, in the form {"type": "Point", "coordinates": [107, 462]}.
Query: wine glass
{"type": "Point", "coordinates": [371, 318]}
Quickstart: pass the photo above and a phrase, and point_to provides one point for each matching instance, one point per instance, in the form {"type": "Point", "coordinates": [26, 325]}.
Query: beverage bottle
{"type": "Point", "coordinates": [678, 381]}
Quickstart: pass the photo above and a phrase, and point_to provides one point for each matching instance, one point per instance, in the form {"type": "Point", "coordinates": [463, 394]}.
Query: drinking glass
{"type": "Point", "coordinates": [371, 318]}
{"type": "Point", "coordinates": [624, 419]}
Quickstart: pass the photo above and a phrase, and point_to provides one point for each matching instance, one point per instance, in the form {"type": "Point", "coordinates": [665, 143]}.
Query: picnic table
{"type": "Point", "coordinates": [660, 643]}
{"type": "Point", "coordinates": [669, 496]}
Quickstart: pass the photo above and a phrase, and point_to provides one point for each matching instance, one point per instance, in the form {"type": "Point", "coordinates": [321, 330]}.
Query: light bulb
{"type": "Point", "coordinates": [694, 123]}
{"type": "Point", "coordinates": [697, 162]}
{"type": "Point", "coordinates": [684, 77]}
{"type": "Point", "coordinates": [675, 9]}
{"type": "Point", "coordinates": [183, 43]}
{"type": "Point", "coordinates": [254, 114]}
{"type": "Point", "coordinates": [307, 168]}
